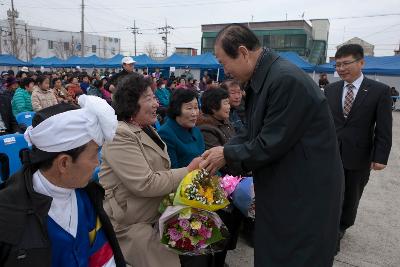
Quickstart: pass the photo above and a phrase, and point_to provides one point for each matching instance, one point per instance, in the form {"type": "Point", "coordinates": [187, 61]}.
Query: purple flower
{"type": "Point", "coordinates": [204, 232]}
{"type": "Point", "coordinates": [174, 234]}
{"type": "Point", "coordinates": [184, 224]}
{"type": "Point", "coordinates": [203, 218]}
{"type": "Point", "coordinates": [202, 244]}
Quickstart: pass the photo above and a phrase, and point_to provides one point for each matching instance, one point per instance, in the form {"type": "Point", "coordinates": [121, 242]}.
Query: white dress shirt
{"type": "Point", "coordinates": [357, 85]}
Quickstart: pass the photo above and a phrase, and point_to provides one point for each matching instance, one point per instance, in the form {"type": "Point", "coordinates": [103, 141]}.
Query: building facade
{"type": "Point", "coordinates": [368, 48]}
{"type": "Point", "coordinates": [309, 41]}
{"type": "Point", "coordinates": [187, 51]}
{"type": "Point", "coordinates": [35, 41]}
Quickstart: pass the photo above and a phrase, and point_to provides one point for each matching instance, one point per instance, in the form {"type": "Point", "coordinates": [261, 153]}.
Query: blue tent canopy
{"type": "Point", "coordinates": [298, 61]}
{"type": "Point", "coordinates": [37, 61]}
{"type": "Point", "coordinates": [9, 60]}
{"type": "Point", "coordinates": [92, 61]}
{"type": "Point", "coordinates": [209, 61]}
{"type": "Point", "coordinates": [85, 62]}
{"type": "Point", "coordinates": [46, 62]}
{"type": "Point", "coordinates": [115, 62]}
{"type": "Point", "coordinates": [196, 62]}
{"type": "Point", "coordinates": [388, 65]}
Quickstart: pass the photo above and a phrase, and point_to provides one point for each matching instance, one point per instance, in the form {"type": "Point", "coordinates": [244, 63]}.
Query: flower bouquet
{"type": "Point", "coordinates": [191, 231]}
{"type": "Point", "coordinates": [243, 197]}
{"type": "Point", "coordinates": [229, 183]}
{"type": "Point", "coordinates": [200, 190]}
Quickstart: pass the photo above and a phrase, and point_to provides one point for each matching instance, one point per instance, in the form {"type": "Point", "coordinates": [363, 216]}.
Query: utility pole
{"type": "Point", "coordinates": [1, 34]}
{"type": "Point", "coordinates": [83, 29]}
{"type": "Point", "coordinates": [135, 31]}
{"type": "Point", "coordinates": [12, 14]}
{"type": "Point", "coordinates": [26, 43]}
{"type": "Point", "coordinates": [72, 47]}
{"type": "Point", "coordinates": [165, 30]}
{"type": "Point", "coordinates": [99, 48]}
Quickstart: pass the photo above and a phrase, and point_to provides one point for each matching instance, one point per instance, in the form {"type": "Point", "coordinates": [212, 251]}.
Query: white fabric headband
{"type": "Point", "coordinates": [95, 120]}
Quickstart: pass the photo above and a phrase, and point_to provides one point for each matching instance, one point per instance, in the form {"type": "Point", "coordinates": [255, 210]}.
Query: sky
{"type": "Point", "coordinates": [377, 22]}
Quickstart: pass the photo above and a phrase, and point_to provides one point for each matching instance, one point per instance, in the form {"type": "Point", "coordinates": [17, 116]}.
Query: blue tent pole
{"type": "Point", "coordinates": [218, 75]}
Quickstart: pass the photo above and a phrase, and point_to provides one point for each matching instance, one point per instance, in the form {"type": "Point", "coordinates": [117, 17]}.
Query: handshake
{"type": "Point", "coordinates": [211, 160]}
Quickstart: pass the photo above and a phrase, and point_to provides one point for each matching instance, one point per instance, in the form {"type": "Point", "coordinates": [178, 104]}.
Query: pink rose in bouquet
{"type": "Point", "coordinates": [229, 183]}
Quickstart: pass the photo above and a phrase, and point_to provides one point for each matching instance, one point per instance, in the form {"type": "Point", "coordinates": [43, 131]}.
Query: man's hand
{"type": "Point", "coordinates": [377, 166]}
{"type": "Point", "coordinates": [213, 159]}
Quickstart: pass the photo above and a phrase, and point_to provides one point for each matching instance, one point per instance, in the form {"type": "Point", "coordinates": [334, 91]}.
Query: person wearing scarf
{"type": "Point", "coordinates": [51, 212]}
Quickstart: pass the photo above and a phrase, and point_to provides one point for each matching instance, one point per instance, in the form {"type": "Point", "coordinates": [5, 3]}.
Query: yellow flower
{"type": "Point", "coordinates": [201, 191]}
{"type": "Point", "coordinates": [209, 195]}
{"type": "Point", "coordinates": [195, 225]}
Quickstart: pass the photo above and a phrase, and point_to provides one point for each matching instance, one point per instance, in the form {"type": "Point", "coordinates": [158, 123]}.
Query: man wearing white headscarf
{"type": "Point", "coordinates": [51, 213]}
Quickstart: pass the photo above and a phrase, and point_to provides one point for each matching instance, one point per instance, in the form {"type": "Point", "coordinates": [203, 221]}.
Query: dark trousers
{"type": "Point", "coordinates": [355, 181]}
{"type": "Point", "coordinates": [196, 261]}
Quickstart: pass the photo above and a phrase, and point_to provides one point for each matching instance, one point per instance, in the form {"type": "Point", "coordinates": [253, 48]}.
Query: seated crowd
{"type": "Point", "coordinates": [140, 165]}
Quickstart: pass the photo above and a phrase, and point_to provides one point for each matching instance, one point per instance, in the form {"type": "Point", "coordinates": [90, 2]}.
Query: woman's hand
{"type": "Point", "coordinates": [194, 164]}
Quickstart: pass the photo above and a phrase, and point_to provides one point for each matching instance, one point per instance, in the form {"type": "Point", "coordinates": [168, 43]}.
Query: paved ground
{"type": "Point", "coordinates": [374, 240]}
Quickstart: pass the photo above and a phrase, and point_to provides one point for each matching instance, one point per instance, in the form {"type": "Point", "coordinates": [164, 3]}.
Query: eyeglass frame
{"type": "Point", "coordinates": [346, 64]}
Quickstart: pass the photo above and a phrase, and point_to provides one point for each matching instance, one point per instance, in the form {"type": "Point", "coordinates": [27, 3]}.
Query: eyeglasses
{"type": "Point", "coordinates": [345, 64]}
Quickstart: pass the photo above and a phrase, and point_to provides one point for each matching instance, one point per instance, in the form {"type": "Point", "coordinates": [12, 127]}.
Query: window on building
{"type": "Point", "coordinates": [295, 41]}
{"type": "Point", "coordinates": [51, 44]}
{"type": "Point", "coordinates": [110, 39]}
{"type": "Point", "coordinates": [94, 48]}
{"type": "Point", "coordinates": [33, 41]}
{"type": "Point", "coordinates": [208, 42]}
{"type": "Point", "coordinates": [66, 46]}
{"type": "Point", "coordinates": [113, 51]}
{"type": "Point", "coordinates": [277, 41]}
{"type": "Point", "coordinates": [115, 40]}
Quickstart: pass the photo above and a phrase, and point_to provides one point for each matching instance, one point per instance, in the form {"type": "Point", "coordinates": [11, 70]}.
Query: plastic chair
{"type": "Point", "coordinates": [25, 118]}
{"type": "Point", "coordinates": [11, 145]}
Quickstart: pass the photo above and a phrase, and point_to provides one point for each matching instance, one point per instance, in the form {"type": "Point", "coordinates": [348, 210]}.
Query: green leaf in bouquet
{"type": "Point", "coordinates": [215, 236]}
{"type": "Point", "coordinates": [195, 240]}
{"type": "Point", "coordinates": [165, 239]}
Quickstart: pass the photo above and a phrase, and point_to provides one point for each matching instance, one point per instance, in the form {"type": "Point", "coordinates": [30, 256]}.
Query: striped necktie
{"type": "Point", "coordinates": [348, 100]}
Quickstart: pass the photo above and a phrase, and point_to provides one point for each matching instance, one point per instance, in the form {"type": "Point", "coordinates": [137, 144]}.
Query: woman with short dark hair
{"type": "Point", "coordinates": [179, 132]}
{"type": "Point", "coordinates": [217, 130]}
{"type": "Point", "coordinates": [136, 174]}
{"type": "Point", "coordinates": [214, 122]}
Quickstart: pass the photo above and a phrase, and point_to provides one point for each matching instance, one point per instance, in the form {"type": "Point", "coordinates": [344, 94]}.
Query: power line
{"type": "Point", "coordinates": [366, 16]}
{"type": "Point", "coordinates": [200, 3]}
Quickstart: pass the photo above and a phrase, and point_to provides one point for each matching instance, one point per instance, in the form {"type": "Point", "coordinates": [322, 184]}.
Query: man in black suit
{"type": "Point", "coordinates": [361, 109]}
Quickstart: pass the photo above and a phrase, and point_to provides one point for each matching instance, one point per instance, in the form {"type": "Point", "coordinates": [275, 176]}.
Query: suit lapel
{"type": "Point", "coordinates": [338, 100]}
{"type": "Point", "coordinates": [360, 97]}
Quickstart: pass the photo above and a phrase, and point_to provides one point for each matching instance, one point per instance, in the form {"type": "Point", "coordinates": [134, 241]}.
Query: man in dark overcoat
{"type": "Point", "coordinates": [290, 146]}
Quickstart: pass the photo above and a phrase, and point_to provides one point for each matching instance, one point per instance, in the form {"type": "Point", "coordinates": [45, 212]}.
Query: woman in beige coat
{"type": "Point", "coordinates": [43, 96]}
{"type": "Point", "coordinates": [136, 175]}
